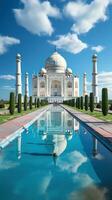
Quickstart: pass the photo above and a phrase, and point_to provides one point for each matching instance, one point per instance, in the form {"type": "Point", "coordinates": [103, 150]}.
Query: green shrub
{"type": "Point", "coordinates": [86, 102]}
{"type": "Point", "coordinates": [38, 103]}
{"type": "Point", "coordinates": [2, 104]}
{"type": "Point", "coordinates": [19, 106]}
{"type": "Point", "coordinates": [104, 101]}
{"type": "Point", "coordinates": [42, 103]}
{"type": "Point", "coordinates": [79, 102]}
{"type": "Point", "coordinates": [25, 102]}
{"type": "Point", "coordinates": [72, 102]}
{"type": "Point", "coordinates": [30, 103]}
{"type": "Point", "coordinates": [98, 105]}
{"type": "Point", "coordinates": [82, 104]}
{"type": "Point", "coordinates": [12, 103]}
{"type": "Point", "coordinates": [110, 108]}
{"type": "Point", "coordinates": [35, 102]}
{"type": "Point", "coordinates": [91, 102]}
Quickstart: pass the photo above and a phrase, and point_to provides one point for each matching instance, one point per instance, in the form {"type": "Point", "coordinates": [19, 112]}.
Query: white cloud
{"type": "Point", "coordinates": [86, 15]}
{"type": "Point", "coordinates": [8, 87]}
{"type": "Point", "coordinates": [105, 80]}
{"type": "Point", "coordinates": [6, 165]}
{"type": "Point", "coordinates": [70, 43]}
{"type": "Point", "coordinates": [73, 162]}
{"type": "Point", "coordinates": [98, 48]}
{"type": "Point", "coordinates": [35, 16]}
{"type": "Point", "coordinates": [6, 41]}
{"type": "Point", "coordinates": [7, 77]}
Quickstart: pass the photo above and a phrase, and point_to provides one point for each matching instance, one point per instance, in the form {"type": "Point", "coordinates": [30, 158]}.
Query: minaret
{"type": "Point", "coordinates": [95, 79]}
{"type": "Point", "coordinates": [84, 85]}
{"type": "Point", "coordinates": [26, 85]}
{"type": "Point", "coordinates": [18, 76]}
{"type": "Point", "coordinates": [95, 147]}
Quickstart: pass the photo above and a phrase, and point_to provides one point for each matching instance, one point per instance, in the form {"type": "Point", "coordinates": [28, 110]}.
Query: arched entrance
{"type": "Point", "coordinates": [56, 88]}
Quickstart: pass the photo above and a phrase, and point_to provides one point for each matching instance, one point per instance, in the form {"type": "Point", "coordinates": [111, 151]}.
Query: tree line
{"type": "Point", "coordinates": [88, 103]}
{"type": "Point", "coordinates": [28, 103]}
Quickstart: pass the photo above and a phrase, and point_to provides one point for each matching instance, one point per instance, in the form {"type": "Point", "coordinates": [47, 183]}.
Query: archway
{"type": "Point", "coordinates": [56, 88]}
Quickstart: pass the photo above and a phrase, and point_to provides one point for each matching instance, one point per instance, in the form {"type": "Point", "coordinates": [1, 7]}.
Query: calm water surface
{"type": "Point", "coordinates": [56, 159]}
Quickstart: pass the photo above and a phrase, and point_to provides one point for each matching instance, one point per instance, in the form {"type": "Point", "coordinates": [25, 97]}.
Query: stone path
{"type": "Point", "coordinates": [10, 129]}
{"type": "Point", "coordinates": [101, 129]}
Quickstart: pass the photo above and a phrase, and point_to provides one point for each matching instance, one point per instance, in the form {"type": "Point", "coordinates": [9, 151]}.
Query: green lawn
{"type": "Point", "coordinates": [7, 117]}
{"type": "Point", "coordinates": [97, 114]}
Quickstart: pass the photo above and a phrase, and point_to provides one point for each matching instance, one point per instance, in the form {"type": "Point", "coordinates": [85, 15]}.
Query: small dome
{"type": "Point", "coordinates": [69, 70]}
{"type": "Point", "coordinates": [18, 55]}
{"type": "Point", "coordinates": [43, 71]}
{"type": "Point", "coordinates": [94, 56]}
{"type": "Point", "coordinates": [56, 63]}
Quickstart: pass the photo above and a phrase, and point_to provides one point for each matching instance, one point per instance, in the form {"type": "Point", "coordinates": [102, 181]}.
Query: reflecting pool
{"type": "Point", "coordinates": [55, 159]}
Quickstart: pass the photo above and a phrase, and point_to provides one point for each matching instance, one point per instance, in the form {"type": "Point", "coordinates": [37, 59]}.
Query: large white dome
{"type": "Point", "coordinates": [56, 63]}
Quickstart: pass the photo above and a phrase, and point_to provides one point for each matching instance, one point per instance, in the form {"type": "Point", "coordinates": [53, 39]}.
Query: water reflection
{"type": "Point", "coordinates": [78, 172]}
{"type": "Point", "coordinates": [95, 147]}
{"type": "Point", "coordinates": [19, 146]}
{"type": "Point", "coordinates": [56, 126]}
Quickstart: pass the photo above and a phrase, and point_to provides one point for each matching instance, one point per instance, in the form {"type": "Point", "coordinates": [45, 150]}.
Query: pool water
{"type": "Point", "coordinates": [55, 159]}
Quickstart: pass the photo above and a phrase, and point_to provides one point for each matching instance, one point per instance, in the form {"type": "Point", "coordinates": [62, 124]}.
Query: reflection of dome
{"type": "Point", "coordinates": [60, 144]}
{"type": "Point", "coordinates": [43, 71]}
{"type": "Point", "coordinates": [56, 63]}
{"type": "Point", "coordinates": [69, 71]}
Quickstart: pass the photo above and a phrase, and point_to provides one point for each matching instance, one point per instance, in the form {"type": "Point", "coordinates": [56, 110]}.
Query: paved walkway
{"type": "Point", "coordinates": [9, 130]}
{"type": "Point", "coordinates": [101, 129]}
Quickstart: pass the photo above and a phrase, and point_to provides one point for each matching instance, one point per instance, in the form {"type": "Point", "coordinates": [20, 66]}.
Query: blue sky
{"type": "Point", "coordinates": [78, 29]}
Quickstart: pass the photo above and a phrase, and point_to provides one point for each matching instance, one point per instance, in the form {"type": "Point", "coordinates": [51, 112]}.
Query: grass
{"type": "Point", "coordinates": [97, 114]}
{"type": "Point", "coordinates": [6, 117]}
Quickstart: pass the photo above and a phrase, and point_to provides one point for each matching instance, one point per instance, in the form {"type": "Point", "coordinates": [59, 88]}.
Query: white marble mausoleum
{"type": "Point", "coordinates": [56, 81]}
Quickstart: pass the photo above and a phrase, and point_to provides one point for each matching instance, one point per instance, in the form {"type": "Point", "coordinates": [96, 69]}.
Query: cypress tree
{"type": "Point", "coordinates": [19, 103]}
{"type": "Point", "coordinates": [30, 103]}
{"type": "Point", "coordinates": [79, 102]}
{"type": "Point", "coordinates": [35, 102]}
{"type": "Point", "coordinates": [12, 103]}
{"type": "Point", "coordinates": [73, 102]}
{"type": "Point", "coordinates": [42, 103]}
{"type": "Point", "coordinates": [76, 102]}
{"type": "Point", "coordinates": [104, 101]}
{"type": "Point", "coordinates": [86, 102]}
{"type": "Point", "coordinates": [82, 104]}
{"type": "Point", "coordinates": [91, 102]}
{"type": "Point", "coordinates": [25, 102]}
{"type": "Point", "coordinates": [38, 103]}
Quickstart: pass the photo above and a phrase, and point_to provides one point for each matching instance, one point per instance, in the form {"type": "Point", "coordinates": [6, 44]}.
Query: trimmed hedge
{"type": "Point", "coordinates": [86, 102]}
{"type": "Point", "coordinates": [38, 103]}
{"type": "Point", "coordinates": [25, 102]}
{"type": "Point", "coordinates": [91, 102]}
{"type": "Point", "coordinates": [82, 103]}
{"type": "Point", "coordinates": [19, 106]}
{"type": "Point", "coordinates": [104, 101]}
{"type": "Point", "coordinates": [12, 103]}
{"type": "Point", "coordinates": [79, 103]}
{"type": "Point", "coordinates": [35, 102]}
{"type": "Point", "coordinates": [30, 103]}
